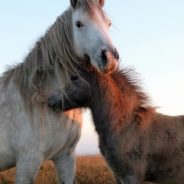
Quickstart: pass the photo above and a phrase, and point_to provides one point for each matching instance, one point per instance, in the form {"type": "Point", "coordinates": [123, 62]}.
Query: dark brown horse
{"type": "Point", "coordinates": [138, 143]}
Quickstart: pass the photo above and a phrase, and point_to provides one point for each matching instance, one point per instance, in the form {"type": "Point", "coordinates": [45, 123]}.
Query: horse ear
{"type": "Point", "coordinates": [101, 2]}
{"type": "Point", "coordinates": [73, 3]}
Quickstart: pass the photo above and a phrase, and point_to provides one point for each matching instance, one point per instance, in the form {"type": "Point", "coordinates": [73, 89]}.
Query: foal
{"type": "Point", "coordinates": [138, 143]}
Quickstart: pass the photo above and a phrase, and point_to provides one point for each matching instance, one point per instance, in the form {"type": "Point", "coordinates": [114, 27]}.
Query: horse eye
{"type": "Point", "coordinates": [79, 24]}
{"type": "Point", "coordinates": [74, 78]}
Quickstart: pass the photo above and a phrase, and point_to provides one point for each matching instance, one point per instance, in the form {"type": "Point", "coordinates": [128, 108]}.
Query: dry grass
{"type": "Point", "coordinates": [93, 170]}
{"type": "Point", "coordinates": [90, 170]}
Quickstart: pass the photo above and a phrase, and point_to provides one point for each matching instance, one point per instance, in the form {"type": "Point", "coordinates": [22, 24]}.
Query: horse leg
{"type": "Point", "coordinates": [127, 180]}
{"type": "Point", "coordinates": [27, 168]}
{"type": "Point", "coordinates": [130, 179]}
{"type": "Point", "coordinates": [65, 167]}
{"type": "Point", "coordinates": [118, 181]}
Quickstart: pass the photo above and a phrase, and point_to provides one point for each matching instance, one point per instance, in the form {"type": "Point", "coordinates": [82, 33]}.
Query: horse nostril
{"type": "Point", "coordinates": [116, 54]}
{"type": "Point", "coordinates": [74, 78]}
{"type": "Point", "coordinates": [104, 54]}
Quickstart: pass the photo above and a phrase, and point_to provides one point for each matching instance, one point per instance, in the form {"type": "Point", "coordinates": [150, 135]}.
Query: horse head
{"type": "Point", "coordinates": [79, 93]}
{"type": "Point", "coordinates": [90, 34]}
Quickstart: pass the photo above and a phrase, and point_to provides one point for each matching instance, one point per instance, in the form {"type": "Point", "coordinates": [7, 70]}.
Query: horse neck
{"type": "Point", "coordinates": [112, 105]}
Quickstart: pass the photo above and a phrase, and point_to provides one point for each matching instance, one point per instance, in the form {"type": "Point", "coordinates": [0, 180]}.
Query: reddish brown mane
{"type": "Point", "coordinates": [122, 89]}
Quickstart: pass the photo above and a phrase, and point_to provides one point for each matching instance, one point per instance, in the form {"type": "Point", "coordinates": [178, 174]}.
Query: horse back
{"type": "Point", "coordinates": [166, 151]}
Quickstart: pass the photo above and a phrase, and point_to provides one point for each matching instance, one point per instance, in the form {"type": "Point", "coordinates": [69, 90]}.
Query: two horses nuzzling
{"type": "Point", "coordinates": [29, 131]}
{"type": "Point", "coordinates": [138, 143]}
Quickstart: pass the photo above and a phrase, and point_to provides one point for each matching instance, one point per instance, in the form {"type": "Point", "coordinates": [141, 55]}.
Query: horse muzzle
{"type": "Point", "coordinates": [109, 60]}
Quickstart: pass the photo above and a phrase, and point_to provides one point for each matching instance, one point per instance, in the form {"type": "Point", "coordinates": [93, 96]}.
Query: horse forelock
{"type": "Point", "coordinates": [53, 54]}
{"type": "Point", "coordinates": [91, 7]}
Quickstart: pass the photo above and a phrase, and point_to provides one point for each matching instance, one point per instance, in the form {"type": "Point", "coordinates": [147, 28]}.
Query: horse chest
{"type": "Point", "coordinates": [60, 137]}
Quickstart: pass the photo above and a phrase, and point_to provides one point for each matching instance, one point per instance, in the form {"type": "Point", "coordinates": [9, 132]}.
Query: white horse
{"type": "Point", "coordinates": [29, 131]}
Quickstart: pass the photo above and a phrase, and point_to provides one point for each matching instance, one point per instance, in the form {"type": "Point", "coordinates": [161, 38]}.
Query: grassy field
{"type": "Point", "coordinates": [90, 170]}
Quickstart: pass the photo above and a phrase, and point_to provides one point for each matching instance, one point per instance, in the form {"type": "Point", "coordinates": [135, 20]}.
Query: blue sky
{"type": "Point", "coordinates": [148, 34]}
